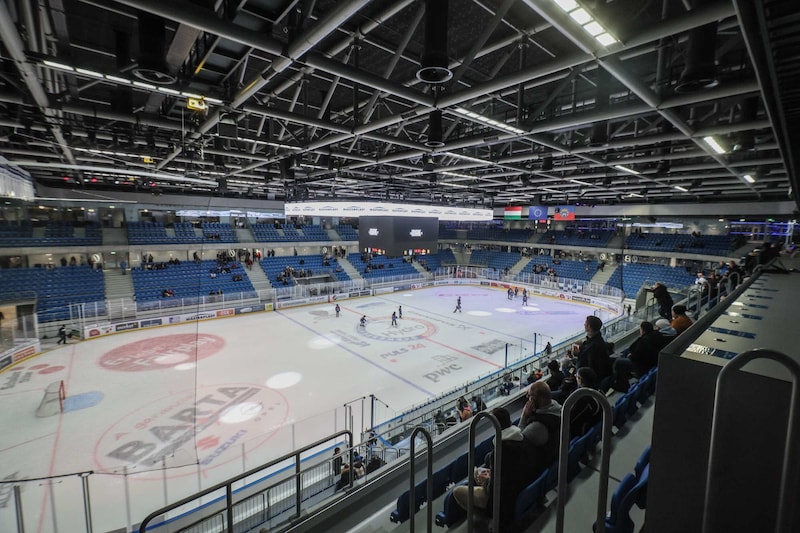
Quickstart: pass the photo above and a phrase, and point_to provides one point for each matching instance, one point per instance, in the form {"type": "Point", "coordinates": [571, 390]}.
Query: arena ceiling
{"type": "Point", "coordinates": [471, 102]}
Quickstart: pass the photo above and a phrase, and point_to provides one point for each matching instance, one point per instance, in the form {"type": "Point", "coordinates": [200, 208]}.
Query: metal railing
{"type": "Point", "coordinates": [715, 503]}
{"type": "Point", "coordinates": [605, 458]}
{"type": "Point", "coordinates": [228, 485]}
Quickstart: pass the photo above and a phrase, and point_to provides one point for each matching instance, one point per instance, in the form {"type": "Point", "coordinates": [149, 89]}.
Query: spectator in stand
{"type": "Point", "coordinates": [517, 471]}
{"type": "Point", "coordinates": [644, 350]}
{"type": "Point", "coordinates": [680, 322]}
{"type": "Point", "coordinates": [555, 377]}
{"type": "Point", "coordinates": [586, 412]}
{"type": "Point", "coordinates": [337, 461]}
{"type": "Point", "coordinates": [464, 409]}
{"type": "Point", "coordinates": [663, 298]}
{"type": "Point", "coordinates": [662, 326]}
{"type": "Point", "coordinates": [541, 425]}
{"type": "Point", "coordinates": [593, 351]}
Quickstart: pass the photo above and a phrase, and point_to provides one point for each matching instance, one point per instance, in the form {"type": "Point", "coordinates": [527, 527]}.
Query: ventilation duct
{"type": "Point", "coordinates": [152, 66]}
{"type": "Point", "coordinates": [599, 134]}
{"type": "Point", "coordinates": [547, 163]}
{"type": "Point", "coordinates": [700, 71]}
{"type": "Point", "coordinates": [435, 130]}
{"type": "Point", "coordinates": [434, 65]}
{"type": "Point", "coordinates": [122, 96]}
{"type": "Point", "coordinates": [747, 139]}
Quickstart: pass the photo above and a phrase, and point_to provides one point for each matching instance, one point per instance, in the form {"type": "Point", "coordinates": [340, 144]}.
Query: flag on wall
{"type": "Point", "coordinates": [512, 213]}
{"type": "Point", "coordinates": [564, 212]}
{"type": "Point", "coordinates": [537, 212]}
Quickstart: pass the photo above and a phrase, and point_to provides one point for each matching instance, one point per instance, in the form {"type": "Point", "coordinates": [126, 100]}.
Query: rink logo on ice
{"type": "Point", "coordinates": [161, 352]}
{"type": "Point", "coordinates": [439, 373]}
{"type": "Point", "coordinates": [410, 329]}
{"type": "Point", "coordinates": [206, 423]}
{"type": "Point", "coordinates": [490, 347]}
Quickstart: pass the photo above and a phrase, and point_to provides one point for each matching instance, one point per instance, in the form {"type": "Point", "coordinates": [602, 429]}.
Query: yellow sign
{"type": "Point", "coordinates": [147, 159]}
{"type": "Point", "coordinates": [196, 104]}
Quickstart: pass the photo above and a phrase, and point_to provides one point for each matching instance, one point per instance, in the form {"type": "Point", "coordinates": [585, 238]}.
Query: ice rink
{"type": "Point", "coordinates": [157, 414]}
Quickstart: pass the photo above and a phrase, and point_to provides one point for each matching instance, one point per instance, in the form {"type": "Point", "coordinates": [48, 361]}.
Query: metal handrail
{"type": "Point", "coordinates": [725, 387]}
{"type": "Point", "coordinates": [412, 495]}
{"type": "Point", "coordinates": [496, 475]}
{"type": "Point", "coordinates": [227, 485]}
{"type": "Point", "coordinates": [605, 457]}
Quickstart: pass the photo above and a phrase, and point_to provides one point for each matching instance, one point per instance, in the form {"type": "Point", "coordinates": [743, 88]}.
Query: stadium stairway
{"type": "Point", "coordinates": [419, 268]}
{"type": "Point", "coordinates": [518, 266]}
{"type": "Point", "coordinates": [602, 276]}
{"type": "Point", "coordinates": [113, 236]}
{"type": "Point", "coordinates": [257, 277]}
{"type": "Point", "coordinates": [348, 267]}
{"type": "Point", "coordinates": [334, 235]}
{"type": "Point", "coordinates": [119, 288]}
{"type": "Point", "coordinates": [244, 235]}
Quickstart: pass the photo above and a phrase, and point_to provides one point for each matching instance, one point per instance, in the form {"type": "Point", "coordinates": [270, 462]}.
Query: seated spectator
{"type": "Point", "coordinates": [374, 464]}
{"type": "Point", "coordinates": [644, 350]}
{"type": "Point", "coordinates": [680, 322]}
{"type": "Point", "coordinates": [663, 326]}
{"type": "Point", "coordinates": [586, 412]}
{"type": "Point", "coordinates": [556, 376]}
{"type": "Point", "coordinates": [541, 425]}
{"type": "Point", "coordinates": [478, 404]}
{"type": "Point", "coordinates": [517, 471]}
{"type": "Point", "coordinates": [464, 409]}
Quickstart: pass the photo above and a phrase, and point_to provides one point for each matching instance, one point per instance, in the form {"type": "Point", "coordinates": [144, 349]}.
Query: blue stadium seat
{"type": "Point", "coordinates": [530, 498]}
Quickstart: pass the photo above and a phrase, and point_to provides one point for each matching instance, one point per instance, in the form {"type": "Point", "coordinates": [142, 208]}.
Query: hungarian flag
{"type": "Point", "coordinates": [512, 213]}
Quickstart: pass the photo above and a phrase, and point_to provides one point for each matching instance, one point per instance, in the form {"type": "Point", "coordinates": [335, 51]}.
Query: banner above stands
{"type": "Point", "coordinates": [378, 209]}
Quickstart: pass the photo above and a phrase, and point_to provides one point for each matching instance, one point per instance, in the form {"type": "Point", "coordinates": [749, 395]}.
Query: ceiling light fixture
{"type": "Point", "coordinates": [748, 178]}
{"type": "Point", "coordinates": [586, 21]}
{"type": "Point", "coordinates": [456, 174]}
{"type": "Point", "coordinates": [125, 81]}
{"type": "Point", "coordinates": [682, 189]}
{"type": "Point", "coordinates": [489, 121]}
{"type": "Point", "coordinates": [467, 158]}
{"type": "Point", "coordinates": [60, 66]}
{"type": "Point", "coordinates": [628, 170]}
{"type": "Point", "coordinates": [712, 142]}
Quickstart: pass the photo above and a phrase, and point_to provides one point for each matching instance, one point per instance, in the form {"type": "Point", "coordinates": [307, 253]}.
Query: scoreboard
{"type": "Point", "coordinates": [398, 236]}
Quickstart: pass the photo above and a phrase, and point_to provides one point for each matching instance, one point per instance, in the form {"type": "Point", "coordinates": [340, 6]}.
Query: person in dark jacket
{"type": "Point", "coordinates": [663, 298]}
{"type": "Point", "coordinates": [541, 425]}
{"type": "Point", "coordinates": [644, 350]}
{"type": "Point", "coordinates": [586, 412]}
{"type": "Point", "coordinates": [593, 352]}
{"type": "Point", "coordinates": [556, 378]}
{"type": "Point", "coordinates": [517, 472]}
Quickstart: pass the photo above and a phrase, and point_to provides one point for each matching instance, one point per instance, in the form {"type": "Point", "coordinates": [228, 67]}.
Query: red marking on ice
{"type": "Point", "coordinates": [212, 441]}
{"type": "Point", "coordinates": [163, 351]}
